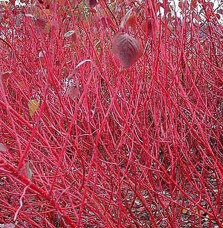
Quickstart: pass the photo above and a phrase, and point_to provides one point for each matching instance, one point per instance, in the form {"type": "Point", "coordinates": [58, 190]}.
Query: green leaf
{"type": "Point", "coordinates": [33, 107]}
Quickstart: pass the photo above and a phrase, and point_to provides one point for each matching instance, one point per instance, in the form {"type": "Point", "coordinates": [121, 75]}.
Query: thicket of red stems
{"type": "Point", "coordinates": [109, 146]}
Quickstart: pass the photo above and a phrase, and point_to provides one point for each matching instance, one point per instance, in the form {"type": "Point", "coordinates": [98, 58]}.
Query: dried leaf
{"type": "Point", "coordinates": [69, 33]}
{"type": "Point", "coordinates": [3, 148]}
{"type": "Point", "coordinates": [82, 62]}
{"type": "Point", "coordinates": [29, 15]}
{"type": "Point", "coordinates": [29, 170]}
{"type": "Point", "coordinates": [127, 49]}
{"type": "Point", "coordinates": [33, 107]}
{"type": "Point", "coordinates": [184, 211]}
{"type": "Point", "coordinates": [41, 54]}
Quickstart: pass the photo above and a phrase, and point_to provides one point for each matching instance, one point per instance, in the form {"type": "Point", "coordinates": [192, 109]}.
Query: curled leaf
{"type": "Point", "coordinates": [29, 170]}
{"type": "Point", "coordinates": [127, 49]}
{"type": "Point", "coordinates": [82, 62]}
{"type": "Point", "coordinates": [125, 18]}
{"type": "Point", "coordinates": [69, 33]}
{"type": "Point", "coordinates": [33, 107]}
{"type": "Point", "coordinates": [29, 15]}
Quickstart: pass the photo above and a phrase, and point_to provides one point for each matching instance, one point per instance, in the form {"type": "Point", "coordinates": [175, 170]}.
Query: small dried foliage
{"type": "Point", "coordinates": [111, 114]}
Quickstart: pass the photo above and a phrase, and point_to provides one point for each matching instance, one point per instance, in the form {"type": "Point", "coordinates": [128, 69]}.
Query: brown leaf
{"type": "Point", "coordinates": [127, 49]}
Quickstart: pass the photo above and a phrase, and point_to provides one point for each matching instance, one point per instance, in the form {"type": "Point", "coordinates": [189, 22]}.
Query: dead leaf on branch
{"type": "Point", "coordinates": [127, 49]}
